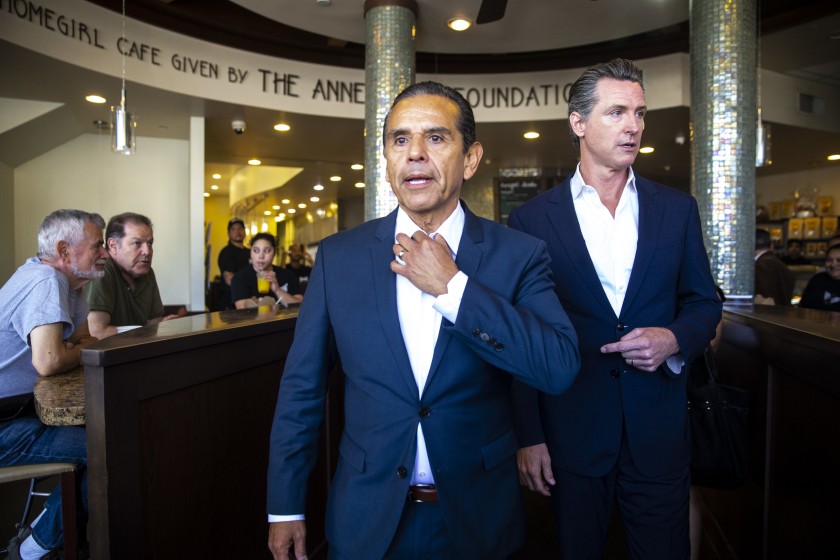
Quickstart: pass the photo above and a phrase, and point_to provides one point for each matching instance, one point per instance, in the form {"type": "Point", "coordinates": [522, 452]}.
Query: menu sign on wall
{"type": "Point", "coordinates": [512, 192]}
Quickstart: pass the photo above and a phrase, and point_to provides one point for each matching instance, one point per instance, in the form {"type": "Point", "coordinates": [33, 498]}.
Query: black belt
{"type": "Point", "coordinates": [426, 493]}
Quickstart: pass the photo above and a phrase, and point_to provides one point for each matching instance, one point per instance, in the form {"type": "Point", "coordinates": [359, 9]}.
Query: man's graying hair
{"type": "Point", "coordinates": [116, 225]}
{"type": "Point", "coordinates": [583, 94]}
{"type": "Point", "coordinates": [465, 122]}
{"type": "Point", "coordinates": [64, 225]}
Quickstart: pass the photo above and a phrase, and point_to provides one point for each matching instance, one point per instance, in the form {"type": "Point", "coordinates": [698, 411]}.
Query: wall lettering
{"type": "Point", "coordinates": [48, 19]}
{"type": "Point", "coordinates": [342, 92]}
{"type": "Point", "coordinates": [282, 83]}
{"type": "Point", "coordinates": [198, 67]}
{"type": "Point", "coordinates": [194, 67]}
{"type": "Point", "coordinates": [139, 51]}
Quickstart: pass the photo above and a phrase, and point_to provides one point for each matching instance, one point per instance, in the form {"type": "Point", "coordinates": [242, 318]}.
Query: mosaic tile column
{"type": "Point", "coordinates": [389, 68]}
{"type": "Point", "coordinates": [723, 134]}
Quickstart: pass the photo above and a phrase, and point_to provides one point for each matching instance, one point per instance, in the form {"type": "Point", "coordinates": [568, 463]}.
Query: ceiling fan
{"type": "Point", "coordinates": [491, 10]}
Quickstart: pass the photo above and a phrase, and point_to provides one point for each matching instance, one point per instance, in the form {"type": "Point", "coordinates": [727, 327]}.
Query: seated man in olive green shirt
{"type": "Point", "coordinates": [128, 293]}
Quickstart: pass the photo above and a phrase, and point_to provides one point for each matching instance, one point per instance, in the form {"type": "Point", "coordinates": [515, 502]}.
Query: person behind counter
{"type": "Point", "coordinates": [128, 293]}
{"type": "Point", "coordinates": [43, 327]}
{"type": "Point", "coordinates": [262, 279]}
{"type": "Point", "coordinates": [823, 289]}
{"type": "Point", "coordinates": [773, 279]}
{"type": "Point", "coordinates": [232, 258]}
{"type": "Point", "coordinates": [299, 264]}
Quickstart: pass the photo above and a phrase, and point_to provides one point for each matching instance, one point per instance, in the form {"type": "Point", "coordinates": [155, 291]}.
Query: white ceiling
{"type": "Point", "coordinates": [528, 25]}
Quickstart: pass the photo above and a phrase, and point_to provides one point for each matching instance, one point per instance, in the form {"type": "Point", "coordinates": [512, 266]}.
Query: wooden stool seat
{"type": "Point", "coordinates": [21, 472]}
{"type": "Point", "coordinates": [67, 471]}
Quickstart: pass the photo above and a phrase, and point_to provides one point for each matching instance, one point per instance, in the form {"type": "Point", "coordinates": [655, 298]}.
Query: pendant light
{"type": "Point", "coordinates": [123, 123]}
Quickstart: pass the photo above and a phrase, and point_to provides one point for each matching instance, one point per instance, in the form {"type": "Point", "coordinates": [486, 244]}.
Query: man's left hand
{"type": "Point", "coordinates": [645, 348]}
{"type": "Point", "coordinates": [428, 262]}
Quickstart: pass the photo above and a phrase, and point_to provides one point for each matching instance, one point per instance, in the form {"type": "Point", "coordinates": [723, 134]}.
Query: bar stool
{"type": "Point", "coordinates": [67, 472]}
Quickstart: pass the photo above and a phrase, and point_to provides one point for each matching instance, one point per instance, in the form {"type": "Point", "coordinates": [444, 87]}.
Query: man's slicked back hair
{"type": "Point", "coordinates": [583, 95]}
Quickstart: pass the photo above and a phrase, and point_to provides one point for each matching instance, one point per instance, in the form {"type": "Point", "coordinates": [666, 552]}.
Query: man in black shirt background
{"type": "Point", "coordinates": [232, 257]}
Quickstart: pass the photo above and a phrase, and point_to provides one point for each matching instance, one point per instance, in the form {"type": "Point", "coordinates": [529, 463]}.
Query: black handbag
{"type": "Point", "coordinates": [718, 417]}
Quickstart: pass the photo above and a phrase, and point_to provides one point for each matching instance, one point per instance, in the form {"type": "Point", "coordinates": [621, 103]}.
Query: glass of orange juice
{"type": "Point", "coordinates": [263, 285]}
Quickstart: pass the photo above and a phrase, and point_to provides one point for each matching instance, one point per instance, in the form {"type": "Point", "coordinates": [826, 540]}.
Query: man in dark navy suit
{"type": "Point", "coordinates": [633, 275]}
{"type": "Point", "coordinates": [432, 312]}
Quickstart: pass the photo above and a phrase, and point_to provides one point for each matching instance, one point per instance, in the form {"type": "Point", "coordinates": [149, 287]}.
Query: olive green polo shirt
{"type": "Point", "coordinates": [127, 305]}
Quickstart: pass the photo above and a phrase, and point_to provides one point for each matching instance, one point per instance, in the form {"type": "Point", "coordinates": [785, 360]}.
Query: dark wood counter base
{"type": "Point", "coordinates": [178, 421]}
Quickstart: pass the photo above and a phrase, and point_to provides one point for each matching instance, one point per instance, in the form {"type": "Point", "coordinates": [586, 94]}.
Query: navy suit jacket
{"type": "Point", "coordinates": [670, 286]}
{"type": "Point", "coordinates": [509, 322]}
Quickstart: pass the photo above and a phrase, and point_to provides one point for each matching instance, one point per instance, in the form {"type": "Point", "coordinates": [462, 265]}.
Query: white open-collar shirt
{"type": "Point", "coordinates": [611, 241]}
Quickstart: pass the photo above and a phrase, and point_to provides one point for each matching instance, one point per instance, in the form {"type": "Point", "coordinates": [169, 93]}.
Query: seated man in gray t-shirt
{"type": "Point", "coordinates": [43, 327]}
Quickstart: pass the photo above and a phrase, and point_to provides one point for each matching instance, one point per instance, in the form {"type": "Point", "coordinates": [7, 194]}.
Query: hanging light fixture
{"type": "Point", "coordinates": [123, 122]}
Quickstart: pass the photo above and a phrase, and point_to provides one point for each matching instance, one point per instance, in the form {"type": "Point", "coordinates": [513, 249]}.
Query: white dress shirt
{"type": "Point", "coordinates": [420, 317]}
{"type": "Point", "coordinates": [611, 241]}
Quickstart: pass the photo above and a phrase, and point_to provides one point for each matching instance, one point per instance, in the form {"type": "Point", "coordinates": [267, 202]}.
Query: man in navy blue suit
{"type": "Point", "coordinates": [432, 312]}
{"type": "Point", "coordinates": [633, 275]}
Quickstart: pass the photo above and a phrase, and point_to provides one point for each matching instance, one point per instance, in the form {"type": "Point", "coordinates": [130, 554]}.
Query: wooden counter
{"type": "Point", "coordinates": [789, 360]}
{"type": "Point", "coordinates": [178, 421]}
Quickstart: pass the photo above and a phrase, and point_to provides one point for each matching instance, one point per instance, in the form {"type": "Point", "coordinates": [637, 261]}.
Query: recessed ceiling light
{"type": "Point", "coordinates": [834, 157]}
{"type": "Point", "coordinates": [459, 24]}
{"type": "Point", "coordinates": [318, 187]}
{"type": "Point", "coordinates": [285, 201]}
{"type": "Point", "coordinates": [335, 178]}
{"type": "Point", "coordinates": [282, 127]}
{"type": "Point", "coordinates": [302, 205]}
{"type": "Point", "coordinates": [646, 150]}
{"type": "Point", "coordinates": [276, 207]}
{"type": "Point", "coordinates": [267, 212]}
{"type": "Point", "coordinates": [357, 166]}
{"type": "Point", "coordinates": [95, 99]}
{"type": "Point", "coordinates": [314, 199]}
{"type": "Point", "coordinates": [214, 187]}
{"type": "Point", "coordinates": [254, 161]}
{"type": "Point", "coordinates": [217, 176]}
{"type": "Point", "coordinates": [291, 210]}
{"type": "Point", "coordinates": [359, 185]}
{"type": "Point", "coordinates": [278, 218]}
{"type": "Point", "coordinates": [531, 135]}
{"type": "Point", "coordinates": [207, 195]}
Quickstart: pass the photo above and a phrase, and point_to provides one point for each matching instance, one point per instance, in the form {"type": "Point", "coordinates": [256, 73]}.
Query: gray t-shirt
{"type": "Point", "coordinates": [36, 294]}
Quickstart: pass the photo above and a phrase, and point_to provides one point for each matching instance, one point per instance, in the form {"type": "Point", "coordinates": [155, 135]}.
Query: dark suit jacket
{"type": "Point", "coordinates": [509, 321]}
{"type": "Point", "coordinates": [774, 279]}
{"type": "Point", "coordinates": [670, 286]}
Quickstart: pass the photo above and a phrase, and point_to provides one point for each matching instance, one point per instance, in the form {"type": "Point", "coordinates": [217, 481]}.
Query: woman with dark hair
{"type": "Point", "coordinates": [823, 289]}
{"type": "Point", "coordinates": [262, 283]}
